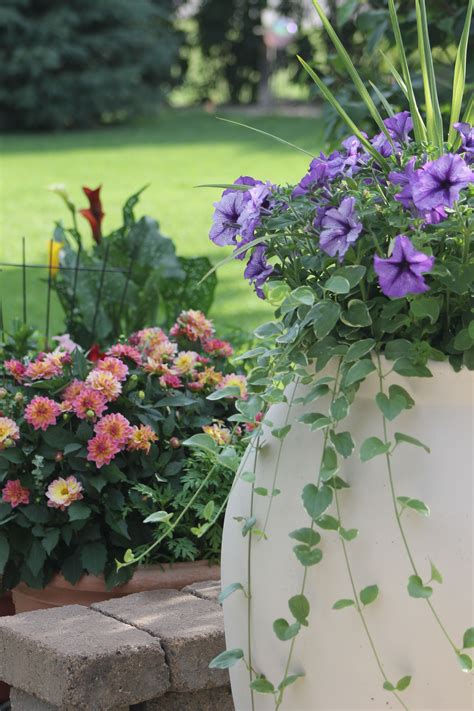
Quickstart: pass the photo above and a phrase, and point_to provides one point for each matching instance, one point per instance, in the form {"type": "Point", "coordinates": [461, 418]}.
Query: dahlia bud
{"type": "Point", "coordinates": [66, 416]}
{"type": "Point", "coordinates": [141, 394]}
{"type": "Point", "coordinates": [133, 378]}
{"type": "Point", "coordinates": [175, 443]}
{"type": "Point", "coordinates": [9, 442]}
{"type": "Point", "coordinates": [3, 393]}
{"type": "Point", "coordinates": [19, 398]}
{"type": "Point", "coordinates": [90, 414]}
{"type": "Point", "coordinates": [58, 457]}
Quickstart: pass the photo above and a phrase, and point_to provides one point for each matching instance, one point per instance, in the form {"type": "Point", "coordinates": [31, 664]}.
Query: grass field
{"type": "Point", "coordinates": [173, 153]}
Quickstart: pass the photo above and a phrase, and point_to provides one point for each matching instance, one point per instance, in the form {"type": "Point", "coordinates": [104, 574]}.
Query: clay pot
{"type": "Point", "coordinates": [91, 588]}
{"type": "Point", "coordinates": [6, 608]}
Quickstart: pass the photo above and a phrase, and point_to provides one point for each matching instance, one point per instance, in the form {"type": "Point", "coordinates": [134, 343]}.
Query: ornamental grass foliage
{"type": "Point", "coordinates": [369, 255]}
{"type": "Point", "coordinates": [92, 447]}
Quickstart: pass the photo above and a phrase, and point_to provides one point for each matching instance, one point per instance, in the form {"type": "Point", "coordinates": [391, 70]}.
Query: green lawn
{"type": "Point", "coordinates": [173, 153]}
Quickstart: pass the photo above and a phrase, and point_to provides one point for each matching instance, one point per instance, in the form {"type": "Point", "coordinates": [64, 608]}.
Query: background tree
{"type": "Point", "coordinates": [83, 62]}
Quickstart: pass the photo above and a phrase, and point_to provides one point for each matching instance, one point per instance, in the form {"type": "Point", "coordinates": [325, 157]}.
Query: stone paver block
{"type": "Point", "coordinates": [208, 590]}
{"type": "Point", "coordinates": [75, 658]}
{"type": "Point", "coordinates": [191, 632]}
{"type": "Point", "coordinates": [206, 700]}
{"type": "Point", "coordinates": [24, 702]}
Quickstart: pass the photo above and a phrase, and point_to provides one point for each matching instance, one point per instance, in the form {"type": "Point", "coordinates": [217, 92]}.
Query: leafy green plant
{"type": "Point", "coordinates": [130, 278]}
{"type": "Point", "coordinates": [369, 263]}
{"type": "Point", "coordinates": [93, 452]}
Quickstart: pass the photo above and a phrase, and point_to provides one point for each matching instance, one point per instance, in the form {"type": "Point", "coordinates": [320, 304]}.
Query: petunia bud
{"type": "Point", "coordinates": [175, 443]}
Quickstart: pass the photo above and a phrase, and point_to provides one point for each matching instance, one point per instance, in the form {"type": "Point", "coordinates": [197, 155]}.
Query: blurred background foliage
{"type": "Point", "coordinates": [129, 80]}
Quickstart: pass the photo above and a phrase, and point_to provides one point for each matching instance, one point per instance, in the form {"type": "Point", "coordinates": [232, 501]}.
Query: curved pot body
{"type": "Point", "coordinates": [333, 652]}
{"type": "Point", "coordinates": [91, 588]}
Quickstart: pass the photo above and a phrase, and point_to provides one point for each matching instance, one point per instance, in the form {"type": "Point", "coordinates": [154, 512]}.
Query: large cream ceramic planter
{"type": "Point", "coordinates": [333, 651]}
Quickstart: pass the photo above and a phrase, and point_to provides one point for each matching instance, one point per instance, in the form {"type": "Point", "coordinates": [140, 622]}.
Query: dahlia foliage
{"type": "Point", "coordinates": [90, 442]}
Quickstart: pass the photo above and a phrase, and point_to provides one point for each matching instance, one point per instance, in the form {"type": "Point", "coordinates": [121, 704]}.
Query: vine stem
{"type": "Point", "coordinates": [277, 463]}
{"type": "Point", "coordinates": [334, 392]}
{"type": "Point", "coordinates": [359, 608]}
{"type": "Point", "coordinates": [388, 455]}
{"type": "Point", "coordinates": [249, 584]}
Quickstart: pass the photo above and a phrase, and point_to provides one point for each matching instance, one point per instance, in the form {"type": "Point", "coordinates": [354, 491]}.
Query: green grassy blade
{"type": "Point", "coordinates": [396, 75]}
{"type": "Point", "coordinates": [265, 133]}
{"type": "Point", "coordinates": [468, 116]}
{"type": "Point", "coordinates": [354, 74]}
{"type": "Point", "coordinates": [419, 128]}
{"type": "Point", "coordinates": [383, 100]}
{"type": "Point", "coordinates": [329, 96]}
{"type": "Point", "coordinates": [459, 79]}
{"type": "Point", "coordinates": [224, 186]}
{"type": "Point", "coordinates": [433, 111]}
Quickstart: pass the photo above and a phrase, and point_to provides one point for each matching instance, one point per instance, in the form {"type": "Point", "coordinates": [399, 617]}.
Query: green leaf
{"type": "Point", "coordinates": [158, 517]}
{"type": "Point", "coordinates": [338, 285]}
{"type": "Point", "coordinates": [227, 659]}
{"type": "Point", "coordinates": [328, 523]}
{"type": "Point", "coordinates": [468, 639]}
{"type": "Point", "coordinates": [357, 315]}
{"type": "Point", "coordinates": [94, 557]}
{"type": "Point", "coordinates": [426, 307]}
{"type": "Point", "coordinates": [36, 557]}
{"type": "Point", "coordinates": [248, 525]}
{"type": "Point", "coordinates": [324, 317]}
{"type": "Point", "coordinates": [369, 594]}
{"type": "Point", "coordinates": [316, 420]}
{"type": "Point", "coordinates": [435, 574]}
{"type": "Point", "coordinates": [285, 631]}
{"type": "Point", "coordinates": [288, 680]}
{"type": "Point", "coordinates": [373, 447]}
{"type": "Point", "coordinates": [316, 500]}
{"type": "Point", "coordinates": [228, 590]}
{"type": "Point", "coordinates": [329, 466]}
{"type": "Point", "coordinates": [343, 443]}
{"type": "Point", "coordinates": [359, 371]}
{"type": "Point", "coordinates": [465, 661]}
{"type": "Point", "coordinates": [78, 511]}
{"type": "Point", "coordinates": [390, 406]}
{"type": "Point", "coordinates": [261, 491]}
{"type": "Point", "coordinates": [417, 589]}
{"type": "Point", "coordinates": [208, 510]}
{"type": "Point", "coordinates": [4, 551]}
{"type": "Point", "coordinates": [353, 273]}
{"type": "Point", "coordinates": [348, 534]}
{"type": "Point", "coordinates": [359, 349]}
{"type": "Point", "coordinates": [35, 513]}
{"type": "Point", "coordinates": [308, 556]}
{"type": "Point", "coordinates": [341, 604]}
{"type": "Point", "coordinates": [299, 608]}
{"type": "Point", "coordinates": [459, 78]}
{"type": "Point", "coordinates": [249, 477]}
{"type": "Point", "coordinates": [388, 686]}
{"type": "Point", "coordinates": [201, 441]}
{"type": "Point", "coordinates": [405, 366]}
{"type": "Point", "coordinates": [303, 295]}
{"type": "Point", "coordinates": [50, 540]}
{"type": "Point", "coordinates": [281, 432]}
{"type": "Point", "coordinates": [221, 394]}
{"type": "Point", "coordinates": [73, 447]}
{"type": "Point", "coordinates": [57, 437]}
{"type": "Point", "coordinates": [397, 390]}
{"type": "Point", "coordinates": [262, 686]}
{"type": "Point", "coordinates": [306, 535]}
{"type": "Point", "coordinates": [339, 408]}
{"type": "Point", "coordinates": [400, 437]}
{"type": "Point", "coordinates": [403, 683]}
{"type": "Point", "coordinates": [415, 504]}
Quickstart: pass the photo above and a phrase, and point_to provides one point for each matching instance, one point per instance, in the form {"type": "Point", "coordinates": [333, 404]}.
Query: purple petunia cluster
{"type": "Point", "coordinates": [427, 191]}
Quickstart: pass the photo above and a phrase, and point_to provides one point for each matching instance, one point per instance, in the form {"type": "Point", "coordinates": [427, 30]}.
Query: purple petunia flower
{"type": "Point", "coordinates": [399, 126]}
{"type": "Point", "coordinates": [439, 182]}
{"type": "Point", "coordinates": [405, 178]}
{"type": "Point", "coordinates": [340, 228]}
{"type": "Point", "coordinates": [225, 227]}
{"type": "Point", "coordinates": [257, 199]}
{"type": "Point", "coordinates": [401, 273]}
{"type": "Point", "coordinates": [466, 131]}
{"type": "Point", "coordinates": [381, 143]}
{"type": "Point", "coordinates": [258, 269]}
{"type": "Point", "coordinates": [243, 180]}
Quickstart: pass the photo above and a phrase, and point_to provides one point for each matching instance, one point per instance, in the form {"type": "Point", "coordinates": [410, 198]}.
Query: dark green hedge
{"type": "Point", "coordinates": [83, 62]}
